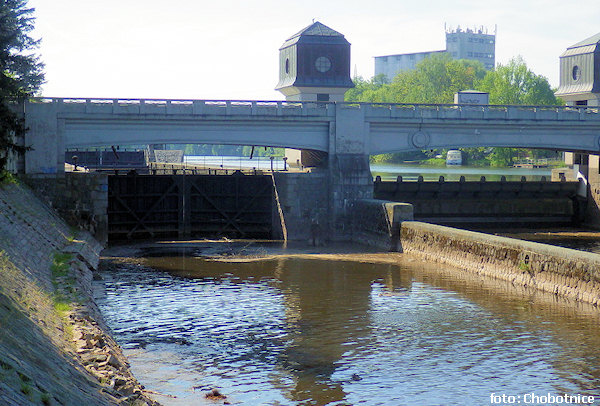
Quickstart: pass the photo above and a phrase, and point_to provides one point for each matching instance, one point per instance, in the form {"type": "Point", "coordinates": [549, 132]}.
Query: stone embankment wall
{"type": "Point", "coordinates": [54, 346]}
{"type": "Point", "coordinates": [81, 198]}
{"type": "Point", "coordinates": [565, 272]}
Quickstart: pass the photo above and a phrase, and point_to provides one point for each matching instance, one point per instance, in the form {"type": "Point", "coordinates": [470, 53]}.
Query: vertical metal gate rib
{"type": "Point", "coordinates": [186, 206]}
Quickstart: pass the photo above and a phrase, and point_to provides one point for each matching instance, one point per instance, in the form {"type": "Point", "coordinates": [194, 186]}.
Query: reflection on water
{"type": "Point", "coordinates": [306, 331]}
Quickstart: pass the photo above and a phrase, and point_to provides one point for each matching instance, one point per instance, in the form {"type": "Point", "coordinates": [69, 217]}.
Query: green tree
{"type": "Point", "coordinates": [515, 83]}
{"type": "Point", "coordinates": [21, 73]}
{"type": "Point", "coordinates": [434, 80]}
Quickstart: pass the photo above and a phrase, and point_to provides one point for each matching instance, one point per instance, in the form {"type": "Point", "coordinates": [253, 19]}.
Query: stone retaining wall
{"type": "Point", "coordinates": [54, 346]}
{"type": "Point", "coordinates": [81, 198]}
{"type": "Point", "coordinates": [565, 272]}
{"type": "Point", "coordinates": [377, 222]}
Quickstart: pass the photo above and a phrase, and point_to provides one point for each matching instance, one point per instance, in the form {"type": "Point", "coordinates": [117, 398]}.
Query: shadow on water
{"type": "Point", "coordinates": [341, 329]}
{"type": "Point", "coordinates": [316, 338]}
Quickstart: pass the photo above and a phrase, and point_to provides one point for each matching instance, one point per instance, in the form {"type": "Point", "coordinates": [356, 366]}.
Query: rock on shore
{"type": "Point", "coordinates": [54, 346]}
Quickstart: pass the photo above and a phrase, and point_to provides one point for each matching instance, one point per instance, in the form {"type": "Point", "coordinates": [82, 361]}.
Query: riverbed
{"type": "Point", "coordinates": [270, 325]}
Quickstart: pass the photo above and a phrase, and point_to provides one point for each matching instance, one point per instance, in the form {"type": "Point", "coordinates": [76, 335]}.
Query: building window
{"type": "Point", "coordinates": [412, 57]}
{"type": "Point", "coordinates": [469, 53]}
{"type": "Point", "coordinates": [322, 97]}
{"type": "Point", "coordinates": [576, 73]}
{"type": "Point", "coordinates": [323, 64]}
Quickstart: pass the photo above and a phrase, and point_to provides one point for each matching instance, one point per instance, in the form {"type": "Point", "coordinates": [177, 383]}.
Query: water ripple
{"type": "Point", "coordinates": [316, 332]}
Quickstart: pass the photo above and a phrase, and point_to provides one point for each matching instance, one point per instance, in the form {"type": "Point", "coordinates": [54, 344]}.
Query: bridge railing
{"type": "Point", "coordinates": [373, 111]}
{"type": "Point", "coordinates": [189, 106]}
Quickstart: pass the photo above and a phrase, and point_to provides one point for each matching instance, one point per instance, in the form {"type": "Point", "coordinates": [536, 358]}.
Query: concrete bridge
{"type": "Point", "coordinates": [347, 132]}
{"type": "Point", "coordinates": [336, 128]}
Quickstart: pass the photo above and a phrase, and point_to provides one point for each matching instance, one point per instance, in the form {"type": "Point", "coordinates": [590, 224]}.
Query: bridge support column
{"type": "Point", "coordinates": [46, 137]}
{"type": "Point", "coordinates": [349, 173]}
{"type": "Point", "coordinates": [350, 180]}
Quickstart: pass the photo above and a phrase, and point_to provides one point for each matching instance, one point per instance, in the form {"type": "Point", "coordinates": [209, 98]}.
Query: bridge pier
{"type": "Point", "coordinates": [46, 136]}
{"type": "Point", "coordinates": [351, 180]}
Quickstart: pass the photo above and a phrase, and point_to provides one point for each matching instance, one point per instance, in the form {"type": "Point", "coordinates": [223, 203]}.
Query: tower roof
{"type": "Point", "coordinates": [316, 32]}
{"type": "Point", "coordinates": [317, 29]}
{"type": "Point", "coordinates": [593, 40]}
{"type": "Point", "coordinates": [588, 45]}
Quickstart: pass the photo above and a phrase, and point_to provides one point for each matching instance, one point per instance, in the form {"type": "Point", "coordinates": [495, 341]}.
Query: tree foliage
{"type": "Point", "coordinates": [21, 72]}
{"type": "Point", "coordinates": [436, 79]}
{"type": "Point", "coordinates": [515, 83]}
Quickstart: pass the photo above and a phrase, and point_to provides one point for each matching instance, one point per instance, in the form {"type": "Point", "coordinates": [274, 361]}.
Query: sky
{"type": "Point", "coordinates": [229, 50]}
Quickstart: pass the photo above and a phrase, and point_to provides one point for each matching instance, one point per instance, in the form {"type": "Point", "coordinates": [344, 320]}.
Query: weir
{"type": "Point", "coordinates": [489, 204]}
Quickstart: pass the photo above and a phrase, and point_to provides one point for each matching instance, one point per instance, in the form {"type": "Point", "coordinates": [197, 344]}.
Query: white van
{"type": "Point", "coordinates": [454, 157]}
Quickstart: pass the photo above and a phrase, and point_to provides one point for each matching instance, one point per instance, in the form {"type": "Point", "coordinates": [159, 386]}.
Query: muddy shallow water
{"type": "Point", "coordinates": [274, 326]}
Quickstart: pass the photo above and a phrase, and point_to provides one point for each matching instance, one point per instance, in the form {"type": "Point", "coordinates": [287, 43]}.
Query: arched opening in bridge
{"type": "Point", "coordinates": [224, 191]}
{"type": "Point", "coordinates": [493, 163]}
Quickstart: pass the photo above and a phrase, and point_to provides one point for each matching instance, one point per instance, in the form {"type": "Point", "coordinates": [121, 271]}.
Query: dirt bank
{"type": "Point", "coordinates": [54, 346]}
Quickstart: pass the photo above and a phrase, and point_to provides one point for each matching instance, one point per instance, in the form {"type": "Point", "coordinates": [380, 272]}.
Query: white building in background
{"type": "Point", "coordinates": [390, 65]}
{"type": "Point", "coordinates": [475, 44]}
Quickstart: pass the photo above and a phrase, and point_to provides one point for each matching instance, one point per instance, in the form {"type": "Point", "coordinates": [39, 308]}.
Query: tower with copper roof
{"type": "Point", "coordinates": [314, 65]}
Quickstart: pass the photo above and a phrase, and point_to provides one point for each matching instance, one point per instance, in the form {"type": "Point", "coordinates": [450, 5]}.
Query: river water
{"type": "Point", "coordinates": [340, 329]}
{"type": "Point", "coordinates": [386, 171]}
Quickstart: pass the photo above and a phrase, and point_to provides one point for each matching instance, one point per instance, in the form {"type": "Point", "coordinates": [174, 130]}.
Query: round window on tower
{"type": "Point", "coordinates": [287, 65]}
{"type": "Point", "coordinates": [323, 64]}
{"type": "Point", "coordinates": [576, 73]}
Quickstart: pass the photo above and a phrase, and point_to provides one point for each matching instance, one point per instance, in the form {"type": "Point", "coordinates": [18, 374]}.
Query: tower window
{"type": "Point", "coordinates": [323, 64]}
{"type": "Point", "coordinates": [287, 65]}
{"type": "Point", "coordinates": [576, 73]}
{"type": "Point", "coordinates": [322, 97]}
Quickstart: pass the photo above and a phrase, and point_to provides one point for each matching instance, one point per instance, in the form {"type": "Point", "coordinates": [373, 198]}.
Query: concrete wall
{"type": "Point", "coordinates": [377, 222]}
{"type": "Point", "coordinates": [46, 136]}
{"type": "Point", "coordinates": [304, 199]}
{"type": "Point", "coordinates": [487, 202]}
{"type": "Point", "coordinates": [80, 198]}
{"type": "Point", "coordinates": [569, 273]}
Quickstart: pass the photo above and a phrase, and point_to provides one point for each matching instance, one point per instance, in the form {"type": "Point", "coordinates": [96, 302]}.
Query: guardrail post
{"type": "Point", "coordinates": [197, 106]}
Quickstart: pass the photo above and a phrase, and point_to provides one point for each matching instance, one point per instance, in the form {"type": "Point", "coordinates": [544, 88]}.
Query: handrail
{"type": "Point", "coordinates": [105, 100]}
